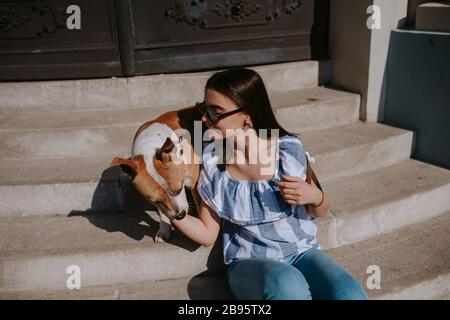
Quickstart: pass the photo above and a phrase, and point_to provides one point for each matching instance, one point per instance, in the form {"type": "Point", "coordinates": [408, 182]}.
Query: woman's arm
{"type": "Point", "coordinates": [321, 210]}
{"type": "Point", "coordinates": [298, 192]}
{"type": "Point", "coordinates": [204, 229]}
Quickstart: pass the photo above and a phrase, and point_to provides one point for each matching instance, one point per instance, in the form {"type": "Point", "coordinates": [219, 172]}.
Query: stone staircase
{"type": "Point", "coordinates": [60, 204]}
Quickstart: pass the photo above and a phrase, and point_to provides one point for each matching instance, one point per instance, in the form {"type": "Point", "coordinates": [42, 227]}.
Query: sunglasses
{"type": "Point", "coordinates": [211, 112]}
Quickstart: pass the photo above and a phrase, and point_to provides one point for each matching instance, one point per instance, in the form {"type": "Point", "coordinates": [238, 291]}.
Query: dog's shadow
{"type": "Point", "coordinates": [116, 206]}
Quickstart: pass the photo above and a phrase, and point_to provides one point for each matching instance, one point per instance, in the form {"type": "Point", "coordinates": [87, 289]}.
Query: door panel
{"type": "Point", "coordinates": [184, 35]}
{"type": "Point", "coordinates": [35, 42]}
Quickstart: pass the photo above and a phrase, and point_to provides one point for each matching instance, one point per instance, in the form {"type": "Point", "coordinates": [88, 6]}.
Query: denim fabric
{"type": "Point", "coordinates": [305, 276]}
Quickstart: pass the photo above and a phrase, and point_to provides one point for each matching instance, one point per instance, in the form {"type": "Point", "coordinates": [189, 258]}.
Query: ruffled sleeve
{"type": "Point", "coordinates": [209, 178]}
{"type": "Point", "coordinates": [293, 157]}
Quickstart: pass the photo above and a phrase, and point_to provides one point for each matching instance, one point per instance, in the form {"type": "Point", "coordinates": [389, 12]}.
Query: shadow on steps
{"type": "Point", "coordinates": [116, 206]}
{"type": "Point", "coordinates": [209, 287]}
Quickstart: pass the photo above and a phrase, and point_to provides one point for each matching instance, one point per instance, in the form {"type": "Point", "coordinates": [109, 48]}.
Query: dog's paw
{"type": "Point", "coordinates": [163, 233]}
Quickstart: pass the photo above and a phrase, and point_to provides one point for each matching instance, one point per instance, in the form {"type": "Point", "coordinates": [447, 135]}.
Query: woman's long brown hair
{"type": "Point", "coordinates": [246, 89]}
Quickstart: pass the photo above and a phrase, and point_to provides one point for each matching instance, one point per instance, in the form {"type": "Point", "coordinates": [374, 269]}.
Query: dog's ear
{"type": "Point", "coordinates": [128, 166]}
{"type": "Point", "coordinates": [163, 154]}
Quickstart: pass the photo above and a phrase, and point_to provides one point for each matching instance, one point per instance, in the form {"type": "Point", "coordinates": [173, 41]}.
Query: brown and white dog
{"type": "Point", "coordinates": [163, 162]}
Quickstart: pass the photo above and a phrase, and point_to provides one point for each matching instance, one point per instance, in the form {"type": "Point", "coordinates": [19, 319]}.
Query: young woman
{"type": "Point", "coordinates": [269, 221]}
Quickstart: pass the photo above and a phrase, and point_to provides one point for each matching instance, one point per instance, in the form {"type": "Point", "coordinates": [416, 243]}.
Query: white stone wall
{"type": "Point", "coordinates": [358, 53]}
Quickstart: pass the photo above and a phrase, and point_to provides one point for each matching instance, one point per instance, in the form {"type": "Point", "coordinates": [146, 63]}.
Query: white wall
{"type": "Point", "coordinates": [359, 54]}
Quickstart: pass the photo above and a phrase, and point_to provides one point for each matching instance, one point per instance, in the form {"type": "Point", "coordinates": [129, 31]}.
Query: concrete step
{"type": "Point", "coordinates": [382, 200]}
{"type": "Point", "coordinates": [359, 147]}
{"type": "Point", "coordinates": [309, 109]}
{"type": "Point", "coordinates": [58, 186]}
{"type": "Point", "coordinates": [109, 248]}
{"type": "Point", "coordinates": [142, 91]}
{"type": "Point", "coordinates": [65, 134]}
{"type": "Point", "coordinates": [200, 287]}
{"type": "Point", "coordinates": [35, 251]}
{"type": "Point", "coordinates": [413, 260]}
{"type": "Point", "coordinates": [414, 264]}
{"type": "Point", "coordinates": [54, 186]}
{"type": "Point", "coordinates": [315, 108]}
{"type": "Point", "coordinates": [42, 121]}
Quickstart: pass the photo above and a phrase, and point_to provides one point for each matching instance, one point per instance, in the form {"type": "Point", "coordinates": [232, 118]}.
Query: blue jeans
{"type": "Point", "coordinates": [305, 276]}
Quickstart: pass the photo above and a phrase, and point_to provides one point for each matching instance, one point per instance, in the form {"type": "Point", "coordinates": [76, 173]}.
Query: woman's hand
{"type": "Point", "coordinates": [298, 192]}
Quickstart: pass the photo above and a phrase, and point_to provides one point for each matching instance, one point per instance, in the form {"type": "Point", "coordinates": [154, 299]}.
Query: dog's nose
{"type": "Point", "coordinates": [180, 215]}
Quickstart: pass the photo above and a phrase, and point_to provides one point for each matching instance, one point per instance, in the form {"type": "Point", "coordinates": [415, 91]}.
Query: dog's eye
{"type": "Point", "coordinates": [181, 151]}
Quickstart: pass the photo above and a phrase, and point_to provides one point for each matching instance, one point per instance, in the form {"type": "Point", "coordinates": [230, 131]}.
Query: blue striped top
{"type": "Point", "coordinates": [257, 222]}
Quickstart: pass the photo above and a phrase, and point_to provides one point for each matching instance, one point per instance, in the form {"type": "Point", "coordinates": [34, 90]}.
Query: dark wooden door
{"type": "Point", "coordinates": [135, 37]}
{"type": "Point", "coordinates": [35, 42]}
{"type": "Point", "coordinates": [186, 35]}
